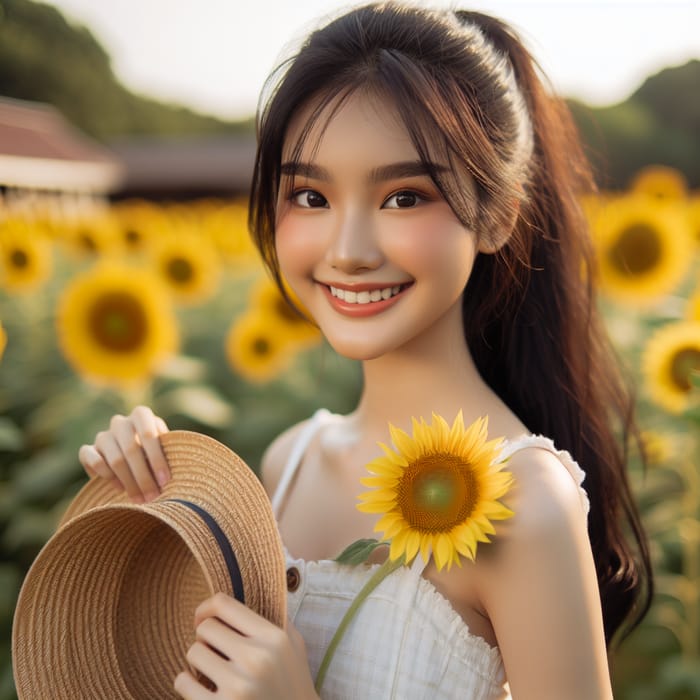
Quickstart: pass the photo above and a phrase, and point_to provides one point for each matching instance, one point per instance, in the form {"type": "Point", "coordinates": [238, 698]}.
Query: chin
{"type": "Point", "coordinates": [355, 349]}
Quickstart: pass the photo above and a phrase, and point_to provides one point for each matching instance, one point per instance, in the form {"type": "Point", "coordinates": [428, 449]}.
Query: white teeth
{"type": "Point", "coordinates": [364, 297]}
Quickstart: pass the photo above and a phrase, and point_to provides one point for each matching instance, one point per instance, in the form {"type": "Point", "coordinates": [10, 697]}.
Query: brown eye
{"type": "Point", "coordinates": [309, 199]}
{"type": "Point", "coordinates": [402, 200]}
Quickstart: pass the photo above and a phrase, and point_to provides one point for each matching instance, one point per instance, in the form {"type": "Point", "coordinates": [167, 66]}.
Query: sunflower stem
{"type": "Point", "coordinates": [377, 577]}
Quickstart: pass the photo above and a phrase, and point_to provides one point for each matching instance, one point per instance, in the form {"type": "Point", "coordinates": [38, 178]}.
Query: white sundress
{"type": "Point", "coordinates": [406, 641]}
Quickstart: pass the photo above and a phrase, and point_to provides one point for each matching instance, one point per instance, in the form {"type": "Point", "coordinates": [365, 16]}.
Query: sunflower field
{"type": "Point", "coordinates": [107, 306]}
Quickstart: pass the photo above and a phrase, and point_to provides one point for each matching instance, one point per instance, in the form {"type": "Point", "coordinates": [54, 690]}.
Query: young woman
{"type": "Point", "coordinates": [417, 188]}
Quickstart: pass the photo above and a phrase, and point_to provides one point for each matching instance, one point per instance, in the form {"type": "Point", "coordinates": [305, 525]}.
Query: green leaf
{"type": "Point", "coordinates": [11, 437]}
{"type": "Point", "coordinates": [358, 552]}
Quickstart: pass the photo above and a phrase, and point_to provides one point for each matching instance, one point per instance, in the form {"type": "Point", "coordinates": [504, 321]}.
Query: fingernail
{"type": "Point", "coordinates": [151, 496]}
{"type": "Point", "coordinates": [137, 499]}
{"type": "Point", "coordinates": [162, 478]}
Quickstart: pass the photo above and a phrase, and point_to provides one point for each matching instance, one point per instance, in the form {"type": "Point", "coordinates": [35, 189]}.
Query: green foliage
{"type": "Point", "coordinates": [46, 59]}
{"type": "Point", "coordinates": [658, 125]}
{"type": "Point", "coordinates": [47, 412]}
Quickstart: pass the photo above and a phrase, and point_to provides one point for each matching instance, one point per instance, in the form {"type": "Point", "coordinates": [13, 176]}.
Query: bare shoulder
{"type": "Point", "coordinates": [544, 493]}
{"type": "Point", "coordinates": [276, 455]}
{"type": "Point", "coordinates": [538, 578]}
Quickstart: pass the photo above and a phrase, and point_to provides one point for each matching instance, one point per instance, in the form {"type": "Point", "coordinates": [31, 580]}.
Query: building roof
{"type": "Point", "coordinates": [159, 166]}
{"type": "Point", "coordinates": [39, 149]}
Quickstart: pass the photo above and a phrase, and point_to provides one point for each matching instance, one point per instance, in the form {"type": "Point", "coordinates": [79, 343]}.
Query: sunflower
{"type": "Point", "coordinates": [188, 265]}
{"type": "Point", "coordinates": [3, 340]}
{"type": "Point", "coordinates": [255, 348]}
{"type": "Point", "coordinates": [228, 227]}
{"type": "Point", "coordinates": [115, 324]}
{"type": "Point", "coordinates": [658, 447]}
{"type": "Point", "coordinates": [644, 248]}
{"type": "Point", "coordinates": [693, 212]}
{"type": "Point", "coordinates": [138, 223]}
{"type": "Point", "coordinates": [25, 256]}
{"type": "Point", "coordinates": [694, 306]}
{"type": "Point", "coordinates": [661, 182]}
{"type": "Point", "coordinates": [92, 235]}
{"type": "Point", "coordinates": [267, 297]}
{"type": "Point", "coordinates": [671, 355]}
{"type": "Point", "coordinates": [437, 492]}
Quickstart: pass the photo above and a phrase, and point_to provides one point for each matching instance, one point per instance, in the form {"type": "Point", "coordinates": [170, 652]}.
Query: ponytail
{"type": "Point", "coordinates": [537, 338]}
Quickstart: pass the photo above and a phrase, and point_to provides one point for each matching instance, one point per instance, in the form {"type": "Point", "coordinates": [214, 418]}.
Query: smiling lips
{"type": "Point", "coordinates": [363, 300]}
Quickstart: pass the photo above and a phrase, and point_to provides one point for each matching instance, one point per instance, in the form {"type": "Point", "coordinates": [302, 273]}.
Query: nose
{"type": "Point", "coordinates": [354, 246]}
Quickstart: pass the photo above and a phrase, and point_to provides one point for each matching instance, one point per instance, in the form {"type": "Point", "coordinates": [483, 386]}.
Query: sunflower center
{"type": "Point", "coordinates": [19, 258]}
{"type": "Point", "coordinates": [180, 270]}
{"type": "Point", "coordinates": [437, 492]}
{"type": "Point", "coordinates": [684, 362]}
{"type": "Point", "coordinates": [261, 347]}
{"type": "Point", "coordinates": [637, 250]}
{"type": "Point", "coordinates": [118, 322]}
{"type": "Point", "coordinates": [87, 241]}
{"type": "Point", "coordinates": [132, 238]}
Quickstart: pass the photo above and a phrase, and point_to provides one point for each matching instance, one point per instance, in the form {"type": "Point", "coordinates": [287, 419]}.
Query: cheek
{"type": "Point", "coordinates": [295, 244]}
{"type": "Point", "coordinates": [426, 249]}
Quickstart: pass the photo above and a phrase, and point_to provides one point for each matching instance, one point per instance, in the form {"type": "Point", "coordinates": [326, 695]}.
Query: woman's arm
{"type": "Point", "coordinates": [538, 585]}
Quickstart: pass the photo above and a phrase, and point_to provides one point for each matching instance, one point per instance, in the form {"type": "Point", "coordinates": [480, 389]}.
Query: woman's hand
{"type": "Point", "coordinates": [245, 656]}
{"type": "Point", "coordinates": [130, 454]}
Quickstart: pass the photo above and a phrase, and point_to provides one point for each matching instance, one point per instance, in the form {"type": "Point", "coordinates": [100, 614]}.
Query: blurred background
{"type": "Point", "coordinates": [127, 276]}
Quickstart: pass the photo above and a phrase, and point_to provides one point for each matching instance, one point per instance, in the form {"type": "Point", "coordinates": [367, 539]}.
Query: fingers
{"type": "Point", "coordinates": [234, 614]}
{"type": "Point", "coordinates": [187, 686]}
{"type": "Point", "coordinates": [149, 428]}
{"type": "Point", "coordinates": [130, 454]}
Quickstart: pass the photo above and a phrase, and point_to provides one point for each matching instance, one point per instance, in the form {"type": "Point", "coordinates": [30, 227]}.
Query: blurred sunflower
{"type": "Point", "coordinates": [658, 447]}
{"type": "Point", "coordinates": [189, 266]}
{"type": "Point", "coordinates": [93, 235]}
{"type": "Point", "coordinates": [227, 226]}
{"type": "Point", "coordinates": [660, 182]}
{"type": "Point", "coordinates": [115, 324]}
{"type": "Point", "coordinates": [694, 306]}
{"type": "Point", "coordinates": [138, 223]}
{"type": "Point", "coordinates": [671, 355]}
{"type": "Point", "coordinates": [266, 296]}
{"type": "Point", "coordinates": [644, 248]}
{"type": "Point", "coordinates": [3, 340]}
{"type": "Point", "coordinates": [256, 349]}
{"type": "Point", "coordinates": [438, 490]}
{"type": "Point", "coordinates": [693, 212]}
{"type": "Point", "coordinates": [25, 256]}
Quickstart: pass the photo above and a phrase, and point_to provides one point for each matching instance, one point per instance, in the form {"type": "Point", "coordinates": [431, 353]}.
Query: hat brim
{"type": "Point", "coordinates": [107, 608]}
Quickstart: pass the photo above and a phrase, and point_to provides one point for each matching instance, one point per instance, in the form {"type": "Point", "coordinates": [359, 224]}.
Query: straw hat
{"type": "Point", "coordinates": [107, 608]}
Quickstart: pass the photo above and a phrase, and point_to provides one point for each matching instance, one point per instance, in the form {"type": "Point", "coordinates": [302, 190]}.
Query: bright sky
{"type": "Point", "coordinates": [214, 55]}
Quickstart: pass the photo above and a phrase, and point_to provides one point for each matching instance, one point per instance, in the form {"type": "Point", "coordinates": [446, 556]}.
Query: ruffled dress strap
{"type": "Point", "coordinates": [306, 435]}
{"type": "Point", "coordinates": [572, 466]}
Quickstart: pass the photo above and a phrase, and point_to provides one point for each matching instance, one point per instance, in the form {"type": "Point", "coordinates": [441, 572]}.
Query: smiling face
{"type": "Point", "coordinates": [364, 236]}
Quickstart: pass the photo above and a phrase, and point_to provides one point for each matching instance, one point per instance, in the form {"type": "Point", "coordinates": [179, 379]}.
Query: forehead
{"type": "Point", "coordinates": [358, 119]}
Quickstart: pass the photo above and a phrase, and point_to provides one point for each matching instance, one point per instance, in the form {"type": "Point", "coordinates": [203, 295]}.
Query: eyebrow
{"type": "Point", "coordinates": [392, 171]}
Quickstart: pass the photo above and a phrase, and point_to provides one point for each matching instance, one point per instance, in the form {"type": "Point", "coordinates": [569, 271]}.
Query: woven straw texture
{"type": "Point", "coordinates": [107, 608]}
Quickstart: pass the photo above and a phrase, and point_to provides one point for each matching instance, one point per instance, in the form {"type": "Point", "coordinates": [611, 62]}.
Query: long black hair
{"type": "Point", "coordinates": [531, 322]}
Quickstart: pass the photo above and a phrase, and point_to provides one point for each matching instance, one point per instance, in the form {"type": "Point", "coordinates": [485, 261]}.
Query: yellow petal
{"type": "Point", "coordinates": [379, 481]}
{"type": "Point", "coordinates": [442, 548]}
{"type": "Point", "coordinates": [388, 495]}
{"type": "Point", "coordinates": [398, 545]}
{"type": "Point", "coordinates": [412, 544]}
{"type": "Point", "coordinates": [371, 507]}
